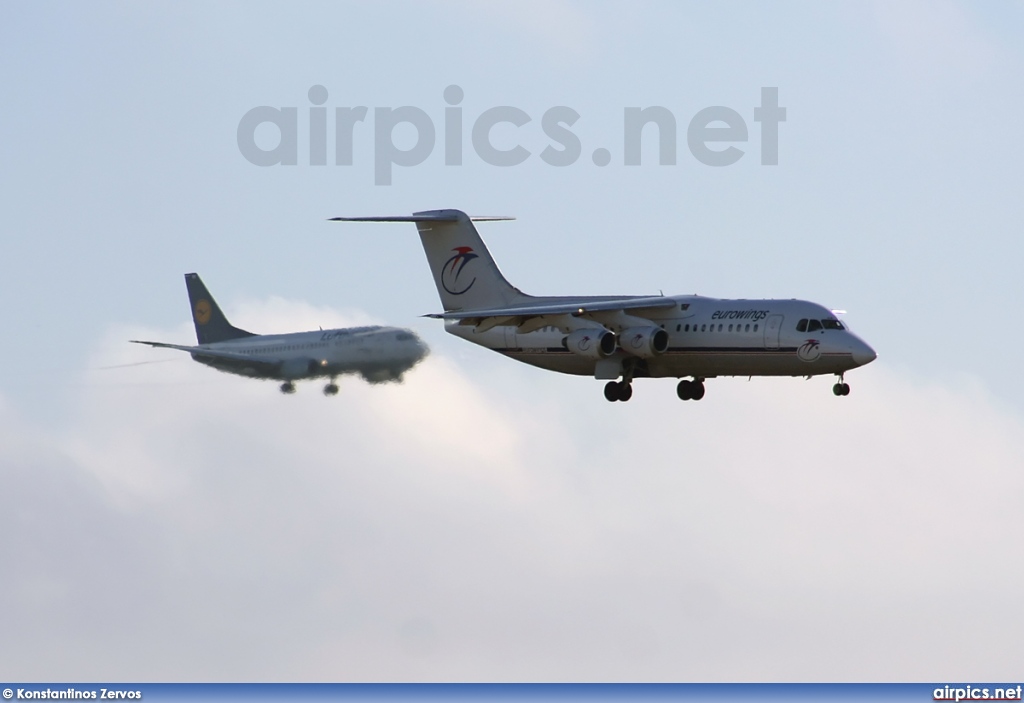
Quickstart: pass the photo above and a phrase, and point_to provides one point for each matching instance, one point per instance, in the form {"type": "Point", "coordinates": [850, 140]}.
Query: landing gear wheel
{"type": "Point", "coordinates": [618, 390]}
{"type": "Point", "coordinates": [684, 391]}
{"type": "Point", "coordinates": [287, 387]}
{"type": "Point", "coordinates": [611, 391]}
{"type": "Point", "coordinates": [690, 390]}
{"type": "Point", "coordinates": [331, 389]}
{"type": "Point", "coordinates": [841, 389]}
{"type": "Point", "coordinates": [846, 389]}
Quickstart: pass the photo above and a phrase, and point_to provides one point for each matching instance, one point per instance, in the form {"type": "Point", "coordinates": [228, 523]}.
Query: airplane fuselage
{"type": "Point", "coordinates": [707, 337]}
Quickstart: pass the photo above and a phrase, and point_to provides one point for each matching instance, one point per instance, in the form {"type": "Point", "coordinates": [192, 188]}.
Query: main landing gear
{"type": "Point", "coordinates": [331, 389]}
{"type": "Point", "coordinates": [622, 390]}
{"type": "Point", "coordinates": [618, 390]}
{"type": "Point", "coordinates": [690, 390]}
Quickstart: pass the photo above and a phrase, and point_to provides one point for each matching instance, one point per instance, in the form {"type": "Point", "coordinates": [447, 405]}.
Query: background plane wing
{"type": "Point", "coordinates": [568, 307]}
{"type": "Point", "coordinates": [214, 354]}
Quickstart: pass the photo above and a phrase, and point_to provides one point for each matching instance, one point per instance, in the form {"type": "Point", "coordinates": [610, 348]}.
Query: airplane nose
{"type": "Point", "coordinates": [862, 353]}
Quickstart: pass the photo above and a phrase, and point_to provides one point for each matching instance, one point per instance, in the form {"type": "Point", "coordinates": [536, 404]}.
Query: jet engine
{"type": "Point", "coordinates": [294, 369]}
{"type": "Point", "coordinates": [644, 342]}
{"type": "Point", "coordinates": [595, 343]}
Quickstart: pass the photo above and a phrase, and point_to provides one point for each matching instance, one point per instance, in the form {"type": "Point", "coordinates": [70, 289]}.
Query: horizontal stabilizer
{"type": "Point", "coordinates": [436, 217]}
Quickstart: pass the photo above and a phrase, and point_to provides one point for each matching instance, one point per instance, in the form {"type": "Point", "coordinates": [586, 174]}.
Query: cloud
{"type": "Point", "coordinates": [509, 526]}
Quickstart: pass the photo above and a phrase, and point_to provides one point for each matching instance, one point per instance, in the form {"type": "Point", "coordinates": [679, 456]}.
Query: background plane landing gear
{"type": "Point", "coordinates": [331, 389]}
{"type": "Point", "coordinates": [287, 387]}
{"type": "Point", "coordinates": [690, 390]}
{"type": "Point", "coordinates": [618, 390]}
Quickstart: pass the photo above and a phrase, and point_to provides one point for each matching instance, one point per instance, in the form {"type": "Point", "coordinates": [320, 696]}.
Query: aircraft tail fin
{"type": "Point", "coordinates": [211, 325]}
{"type": "Point", "coordinates": [464, 272]}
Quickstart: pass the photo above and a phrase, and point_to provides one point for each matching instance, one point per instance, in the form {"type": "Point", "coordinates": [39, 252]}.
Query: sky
{"type": "Point", "coordinates": [485, 520]}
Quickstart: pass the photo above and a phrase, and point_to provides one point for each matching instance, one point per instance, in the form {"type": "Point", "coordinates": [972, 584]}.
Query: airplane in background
{"type": "Point", "coordinates": [378, 354]}
{"type": "Point", "coordinates": [620, 338]}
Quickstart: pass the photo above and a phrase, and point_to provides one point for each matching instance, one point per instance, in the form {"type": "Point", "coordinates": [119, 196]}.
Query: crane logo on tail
{"type": "Point", "coordinates": [452, 271]}
{"type": "Point", "coordinates": [202, 311]}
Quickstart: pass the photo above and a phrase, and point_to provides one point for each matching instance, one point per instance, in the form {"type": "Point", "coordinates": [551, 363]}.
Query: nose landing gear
{"type": "Point", "coordinates": [331, 389]}
{"type": "Point", "coordinates": [841, 388]}
{"type": "Point", "coordinates": [287, 387]}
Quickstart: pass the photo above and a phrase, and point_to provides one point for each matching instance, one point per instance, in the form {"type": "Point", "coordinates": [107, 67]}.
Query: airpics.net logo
{"type": "Point", "coordinates": [711, 134]}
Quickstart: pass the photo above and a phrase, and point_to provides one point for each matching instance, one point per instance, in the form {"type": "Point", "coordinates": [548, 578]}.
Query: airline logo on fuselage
{"type": "Point", "coordinates": [752, 315]}
{"type": "Point", "coordinates": [452, 279]}
{"type": "Point", "coordinates": [809, 350]}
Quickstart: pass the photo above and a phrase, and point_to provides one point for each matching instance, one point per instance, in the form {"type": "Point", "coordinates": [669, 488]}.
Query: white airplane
{"type": "Point", "coordinates": [625, 337]}
{"type": "Point", "coordinates": [377, 353]}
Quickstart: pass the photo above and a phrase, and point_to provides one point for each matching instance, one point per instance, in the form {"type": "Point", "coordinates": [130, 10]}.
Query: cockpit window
{"type": "Point", "coordinates": [831, 323]}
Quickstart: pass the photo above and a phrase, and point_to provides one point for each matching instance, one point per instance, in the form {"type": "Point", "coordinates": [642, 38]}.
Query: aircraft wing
{"type": "Point", "coordinates": [568, 307]}
{"type": "Point", "coordinates": [214, 354]}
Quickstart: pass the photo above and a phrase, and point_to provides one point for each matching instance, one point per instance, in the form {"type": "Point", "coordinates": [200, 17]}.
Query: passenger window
{"type": "Point", "coordinates": [678, 327]}
{"type": "Point", "coordinates": [755, 328]}
{"type": "Point", "coordinates": [719, 328]}
{"type": "Point", "coordinates": [702, 328]}
{"type": "Point", "coordinates": [747, 329]}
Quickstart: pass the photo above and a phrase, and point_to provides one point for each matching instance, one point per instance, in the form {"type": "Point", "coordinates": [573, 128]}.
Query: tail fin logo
{"type": "Point", "coordinates": [202, 311]}
{"type": "Point", "coordinates": [452, 271]}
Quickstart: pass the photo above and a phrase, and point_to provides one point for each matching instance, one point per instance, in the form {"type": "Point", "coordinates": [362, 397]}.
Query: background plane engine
{"type": "Point", "coordinates": [294, 369]}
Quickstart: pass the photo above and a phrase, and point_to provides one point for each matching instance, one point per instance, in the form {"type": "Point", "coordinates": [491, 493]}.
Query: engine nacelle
{"type": "Point", "coordinates": [645, 342]}
{"type": "Point", "coordinates": [593, 343]}
{"type": "Point", "coordinates": [295, 369]}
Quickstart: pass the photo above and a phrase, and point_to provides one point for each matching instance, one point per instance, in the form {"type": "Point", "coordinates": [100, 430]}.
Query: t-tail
{"type": "Point", "coordinates": [464, 272]}
{"type": "Point", "coordinates": [211, 325]}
